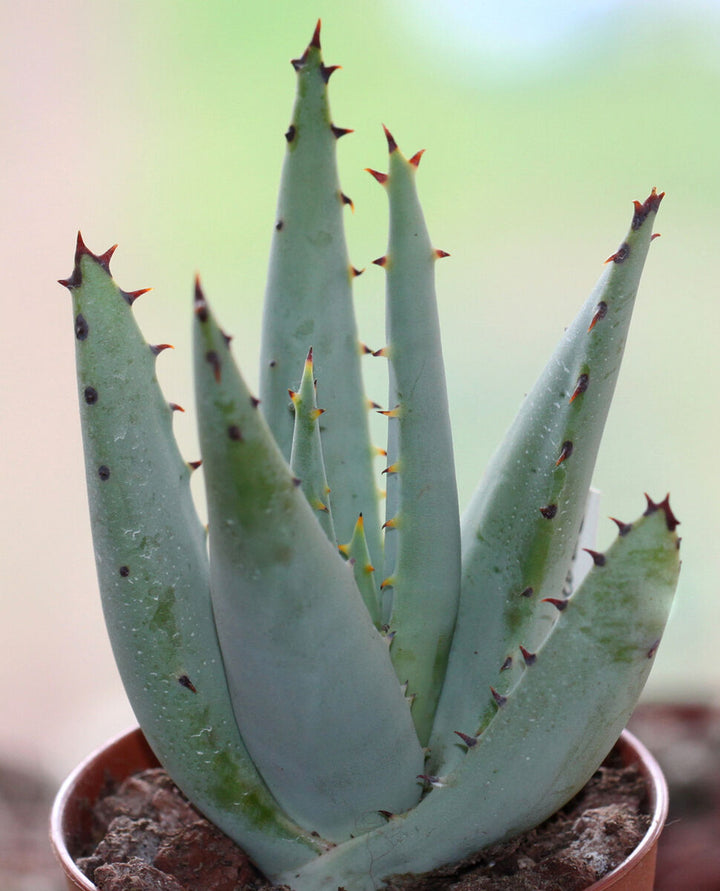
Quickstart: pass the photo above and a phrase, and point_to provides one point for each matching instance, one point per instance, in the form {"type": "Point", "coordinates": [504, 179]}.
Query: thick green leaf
{"type": "Point", "coordinates": [313, 688]}
{"type": "Point", "coordinates": [152, 568]}
{"type": "Point", "coordinates": [423, 527]}
{"type": "Point", "coordinates": [553, 732]}
{"type": "Point", "coordinates": [308, 303]}
{"type": "Point", "coordinates": [521, 528]}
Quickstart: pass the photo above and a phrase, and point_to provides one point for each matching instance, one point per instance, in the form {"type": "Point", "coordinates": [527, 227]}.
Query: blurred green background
{"type": "Point", "coordinates": [159, 125]}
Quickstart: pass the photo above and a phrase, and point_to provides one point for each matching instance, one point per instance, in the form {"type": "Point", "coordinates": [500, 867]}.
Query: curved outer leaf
{"type": "Point", "coordinates": [423, 510]}
{"type": "Point", "coordinates": [522, 526]}
{"type": "Point", "coordinates": [153, 573]}
{"type": "Point", "coordinates": [548, 739]}
{"type": "Point", "coordinates": [313, 688]}
{"type": "Point", "coordinates": [308, 302]}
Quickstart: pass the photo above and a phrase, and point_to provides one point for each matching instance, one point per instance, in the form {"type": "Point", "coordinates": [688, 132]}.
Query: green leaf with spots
{"type": "Point", "coordinates": [152, 567]}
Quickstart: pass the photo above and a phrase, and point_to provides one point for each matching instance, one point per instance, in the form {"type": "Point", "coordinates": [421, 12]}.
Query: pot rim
{"type": "Point", "coordinates": [631, 751]}
{"type": "Point", "coordinates": [659, 801]}
{"type": "Point", "coordinates": [70, 789]}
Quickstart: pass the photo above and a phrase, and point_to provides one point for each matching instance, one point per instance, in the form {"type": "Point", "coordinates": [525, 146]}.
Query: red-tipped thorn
{"type": "Point", "coordinates": [620, 255]}
{"type": "Point", "coordinates": [439, 255]}
{"type": "Point", "coordinates": [654, 236]}
{"type": "Point", "coordinates": [382, 178]}
{"type": "Point", "coordinates": [623, 528]}
{"type": "Point", "coordinates": [157, 348]}
{"type": "Point", "coordinates": [390, 413]}
{"type": "Point", "coordinates": [389, 582]}
{"type": "Point", "coordinates": [381, 261]}
{"type": "Point", "coordinates": [185, 681]}
{"type": "Point", "coordinates": [600, 313]}
{"type": "Point", "coordinates": [104, 259]}
{"type": "Point", "coordinates": [347, 200]}
{"type": "Point", "coordinates": [500, 700]}
{"type": "Point", "coordinates": [529, 658]}
{"type": "Point", "coordinates": [581, 386]}
{"type": "Point", "coordinates": [337, 132]}
{"type": "Point", "coordinates": [193, 465]}
{"type": "Point", "coordinates": [597, 558]}
{"type": "Point", "coordinates": [565, 451]}
{"type": "Point", "coordinates": [355, 272]}
{"type": "Point", "coordinates": [390, 524]}
{"type": "Point", "coordinates": [507, 663]}
{"type": "Point", "coordinates": [175, 407]}
{"type": "Point", "coordinates": [470, 741]}
{"type": "Point", "coordinates": [131, 296]}
{"type": "Point", "coordinates": [392, 145]}
{"type": "Point", "coordinates": [316, 35]}
{"type": "Point", "coordinates": [391, 468]}
{"type": "Point", "coordinates": [415, 160]}
{"type": "Point", "coordinates": [327, 70]}
{"type": "Point", "coordinates": [559, 605]}
{"type": "Point", "coordinates": [383, 351]}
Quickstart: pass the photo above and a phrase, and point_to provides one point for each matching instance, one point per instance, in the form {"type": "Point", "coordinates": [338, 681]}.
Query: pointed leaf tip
{"type": "Point", "coordinates": [392, 145]}
{"type": "Point", "coordinates": [82, 250]}
{"type": "Point", "coordinates": [671, 520]}
{"type": "Point", "coordinates": [199, 303]}
{"type": "Point", "coordinates": [644, 209]}
{"type": "Point", "coordinates": [316, 35]}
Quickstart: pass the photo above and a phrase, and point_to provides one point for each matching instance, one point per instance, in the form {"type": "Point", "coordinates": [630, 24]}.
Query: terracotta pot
{"type": "Point", "coordinates": [685, 739]}
{"type": "Point", "coordinates": [71, 820]}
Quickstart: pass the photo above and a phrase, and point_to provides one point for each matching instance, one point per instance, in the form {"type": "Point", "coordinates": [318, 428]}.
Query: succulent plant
{"type": "Point", "coordinates": [349, 696]}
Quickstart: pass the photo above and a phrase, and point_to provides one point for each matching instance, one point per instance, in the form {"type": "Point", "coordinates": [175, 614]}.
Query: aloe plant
{"type": "Point", "coordinates": [350, 696]}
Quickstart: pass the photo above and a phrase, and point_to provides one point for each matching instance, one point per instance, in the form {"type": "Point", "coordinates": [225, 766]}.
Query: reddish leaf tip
{"type": "Point", "coordinates": [392, 145]}
{"type": "Point", "coordinates": [645, 208]}
{"type": "Point", "coordinates": [671, 520]}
